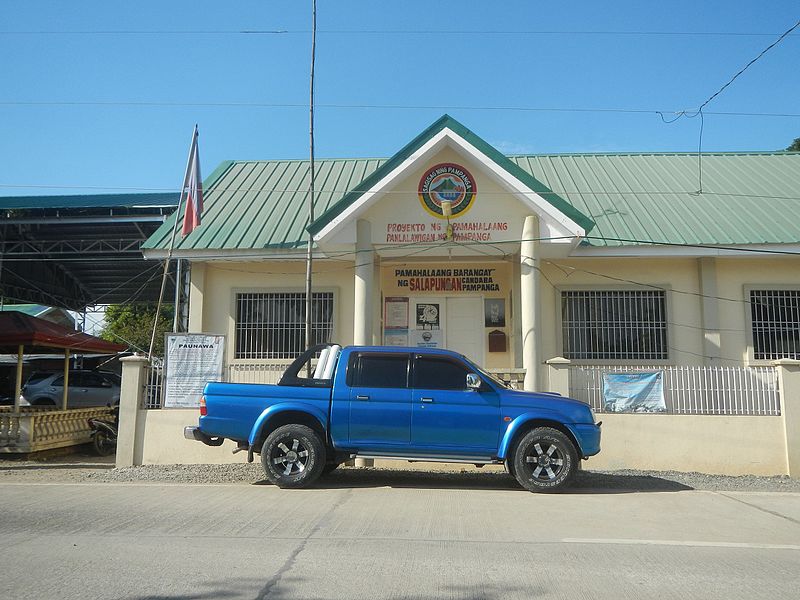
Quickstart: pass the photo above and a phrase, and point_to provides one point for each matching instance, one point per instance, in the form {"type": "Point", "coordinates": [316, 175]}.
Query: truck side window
{"type": "Point", "coordinates": [434, 373]}
{"type": "Point", "coordinates": [382, 371]}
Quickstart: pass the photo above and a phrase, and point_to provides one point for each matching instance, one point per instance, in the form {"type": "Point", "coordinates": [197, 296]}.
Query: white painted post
{"type": "Point", "coordinates": [364, 273]}
{"type": "Point", "coordinates": [529, 302]}
{"type": "Point", "coordinates": [18, 384]}
{"type": "Point", "coordinates": [558, 375]}
{"type": "Point", "coordinates": [789, 386]}
{"type": "Point", "coordinates": [65, 393]}
{"type": "Point", "coordinates": [197, 289]}
{"type": "Point", "coordinates": [709, 310]}
{"type": "Point", "coordinates": [362, 311]}
{"type": "Point", "coordinates": [130, 401]}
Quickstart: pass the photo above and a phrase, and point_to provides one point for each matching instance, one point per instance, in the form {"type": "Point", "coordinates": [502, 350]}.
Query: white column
{"type": "Point", "coordinates": [130, 401]}
{"type": "Point", "coordinates": [709, 310]}
{"type": "Point", "coordinates": [364, 276]}
{"type": "Point", "coordinates": [197, 288]}
{"type": "Point", "coordinates": [529, 303]}
{"type": "Point", "coordinates": [789, 386]}
{"type": "Point", "coordinates": [65, 393]}
{"type": "Point", "coordinates": [18, 385]}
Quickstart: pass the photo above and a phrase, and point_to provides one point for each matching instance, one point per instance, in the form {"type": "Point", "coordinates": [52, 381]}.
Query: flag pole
{"type": "Point", "coordinates": [172, 241]}
{"type": "Point", "coordinates": [309, 255]}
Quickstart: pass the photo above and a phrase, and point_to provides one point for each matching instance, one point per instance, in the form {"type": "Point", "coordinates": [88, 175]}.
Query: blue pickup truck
{"type": "Point", "coordinates": [334, 404]}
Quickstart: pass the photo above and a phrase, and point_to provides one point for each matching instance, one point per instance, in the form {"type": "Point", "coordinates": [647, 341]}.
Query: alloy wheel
{"type": "Point", "coordinates": [545, 462]}
{"type": "Point", "coordinates": [290, 456]}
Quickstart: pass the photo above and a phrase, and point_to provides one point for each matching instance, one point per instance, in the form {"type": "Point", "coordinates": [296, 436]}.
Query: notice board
{"type": "Point", "coordinates": [191, 361]}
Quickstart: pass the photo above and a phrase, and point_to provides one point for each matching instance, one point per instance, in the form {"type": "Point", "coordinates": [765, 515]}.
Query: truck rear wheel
{"type": "Point", "coordinates": [293, 456]}
{"type": "Point", "coordinates": [544, 460]}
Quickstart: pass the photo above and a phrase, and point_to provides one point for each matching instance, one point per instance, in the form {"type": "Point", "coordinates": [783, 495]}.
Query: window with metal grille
{"type": "Point", "coordinates": [614, 325]}
{"type": "Point", "coordinates": [272, 325]}
{"type": "Point", "coordinates": [776, 324]}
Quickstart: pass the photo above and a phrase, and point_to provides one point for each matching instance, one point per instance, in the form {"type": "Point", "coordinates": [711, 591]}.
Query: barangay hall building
{"type": "Point", "coordinates": [601, 261]}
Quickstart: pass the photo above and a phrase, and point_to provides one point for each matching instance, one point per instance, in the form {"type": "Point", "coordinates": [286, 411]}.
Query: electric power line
{"type": "Point", "coordinates": [444, 107]}
{"type": "Point", "coordinates": [389, 192]}
{"type": "Point", "coordinates": [699, 110]}
{"type": "Point", "coordinates": [436, 32]}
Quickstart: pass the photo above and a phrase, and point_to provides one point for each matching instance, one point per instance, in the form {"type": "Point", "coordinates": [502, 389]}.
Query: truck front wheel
{"type": "Point", "coordinates": [544, 460]}
{"type": "Point", "coordinates": [293, 456]}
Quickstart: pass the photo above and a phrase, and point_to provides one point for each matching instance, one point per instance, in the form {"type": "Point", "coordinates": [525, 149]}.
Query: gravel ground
{"type": "Point", "coordinates": [84, 468]}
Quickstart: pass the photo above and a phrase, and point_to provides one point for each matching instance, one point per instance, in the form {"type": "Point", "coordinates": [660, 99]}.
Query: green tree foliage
{"type": "Point", "coordinates": [794, 146]}
{"type": "Point", "coordinates": [132, 324]}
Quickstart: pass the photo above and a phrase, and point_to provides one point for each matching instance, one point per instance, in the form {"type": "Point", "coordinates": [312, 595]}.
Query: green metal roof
{"type": "Point", "coordinates": [166, 199]}
{"type": "Point", "coordinates": [33, 310]}
{"type": "Point", "coordinates": [748, 198]}
{"type": "Point", "coordinates": [636, 198]}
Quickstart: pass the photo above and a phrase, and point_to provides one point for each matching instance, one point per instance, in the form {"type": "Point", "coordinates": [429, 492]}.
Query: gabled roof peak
{"type": "Point", "coordinates": [494, 155]}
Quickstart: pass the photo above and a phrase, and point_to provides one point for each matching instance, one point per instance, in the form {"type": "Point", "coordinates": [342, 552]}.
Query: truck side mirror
{"type": "Point", "coordinates": [473, 381]}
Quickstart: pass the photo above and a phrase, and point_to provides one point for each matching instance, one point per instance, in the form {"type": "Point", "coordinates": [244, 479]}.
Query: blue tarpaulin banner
{"type": "Point", "coordinates": [634, 392]}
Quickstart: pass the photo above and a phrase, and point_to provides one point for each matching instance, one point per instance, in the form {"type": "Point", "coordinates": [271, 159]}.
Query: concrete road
{"type": "Point", "coordinates": [368, 540]}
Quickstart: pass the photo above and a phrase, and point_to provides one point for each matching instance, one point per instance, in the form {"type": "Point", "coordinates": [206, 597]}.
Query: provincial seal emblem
{"type": "Point", "coordinates": [447, 182]}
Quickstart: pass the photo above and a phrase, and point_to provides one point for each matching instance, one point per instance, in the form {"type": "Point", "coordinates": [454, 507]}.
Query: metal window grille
{"type": "Point", "coordinates": [272, 325]}
{"type": "Point", "coordinates": [776, 324]}
{"type": "Point", "coordinates": [614, 325]}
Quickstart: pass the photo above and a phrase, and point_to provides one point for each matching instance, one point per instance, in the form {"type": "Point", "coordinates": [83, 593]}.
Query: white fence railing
{"type": "Point", "coordinates": [255, 372]}
{"type": "Point", "coordinates": [688, 390]}
{"type": "Point", "coordinates": [692, 390]}
{"type": "Point", "coordinates": [235, 373]}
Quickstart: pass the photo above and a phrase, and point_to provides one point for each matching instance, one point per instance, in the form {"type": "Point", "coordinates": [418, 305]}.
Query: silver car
{"type": "Point", "coordinates": [86, 388]}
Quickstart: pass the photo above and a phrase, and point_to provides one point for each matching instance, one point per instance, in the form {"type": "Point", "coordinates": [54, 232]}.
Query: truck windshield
{"type": "Point", "coordinates": [485, 374]}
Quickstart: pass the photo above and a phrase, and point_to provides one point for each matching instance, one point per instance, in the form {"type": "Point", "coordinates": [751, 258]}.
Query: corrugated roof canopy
{"type": "Point", "coordinates": [90, 201]}
{"type": "Point", "coordinates": [79, 250]}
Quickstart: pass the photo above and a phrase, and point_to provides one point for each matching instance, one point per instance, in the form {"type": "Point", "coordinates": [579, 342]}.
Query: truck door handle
{"type": "Point", "coordinates": [427, 399]}
{"type": "Point", "coordinates": [362, 397]}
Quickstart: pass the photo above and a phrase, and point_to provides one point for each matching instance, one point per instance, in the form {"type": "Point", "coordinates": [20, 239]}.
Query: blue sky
{"type": "Point", "coordinates": [435, 56]}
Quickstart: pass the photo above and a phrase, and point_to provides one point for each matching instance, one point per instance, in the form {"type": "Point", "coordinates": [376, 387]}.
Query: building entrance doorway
{"type": "Point", "coordinates": [455, 323]}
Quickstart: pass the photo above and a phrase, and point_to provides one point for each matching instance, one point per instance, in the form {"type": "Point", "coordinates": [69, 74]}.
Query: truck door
{"type": "Point", "coordinates": [380, 400]}
{"type": "Point", "coordinates": [446, 414]}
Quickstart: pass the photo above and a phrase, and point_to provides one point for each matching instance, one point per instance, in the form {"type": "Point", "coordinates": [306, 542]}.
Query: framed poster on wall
{"type": "Point", "coordinates": [494, 312]}
{"type": "Point", "coordinates": [191, 361]}
{"type": "Point", "coordinates": [395, 321]}
{"type": "Point", "coordinates": [428, 321]}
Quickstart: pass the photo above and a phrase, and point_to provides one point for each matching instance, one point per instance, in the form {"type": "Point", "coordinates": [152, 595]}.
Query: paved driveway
{"type": "Point", "coordinates": [418, 539]}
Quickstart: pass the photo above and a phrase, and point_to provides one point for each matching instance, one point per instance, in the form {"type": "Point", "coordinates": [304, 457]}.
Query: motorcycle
{"type": "Point", "coordinates": [104, 433]}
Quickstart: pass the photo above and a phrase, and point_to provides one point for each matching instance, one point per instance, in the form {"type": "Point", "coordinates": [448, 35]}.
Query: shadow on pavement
{"type": "Point", "coordinates": [585, 482]}
{"type": "Point", "coordinates": [294, 586]}
{"type": "Point", "coordinates": [75, 457]}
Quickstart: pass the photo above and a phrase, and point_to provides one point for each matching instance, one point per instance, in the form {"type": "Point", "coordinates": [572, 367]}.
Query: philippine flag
{"type": "Point", "coordinates": [193, 188]}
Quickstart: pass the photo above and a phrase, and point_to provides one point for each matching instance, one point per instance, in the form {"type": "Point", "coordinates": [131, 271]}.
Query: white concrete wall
{"type": "Point", "coordinates": [221, 281]}
{"type": "Point", "coordinates": [734, 276]}
{"type": "Point", "coordinates": [707, 444]}
{"type": "Point", "coordinates": [684, 335]}
{"type": "Point", "coordinates": [164, 443]}
{"type": "Point", "coordinates": [729, 445]}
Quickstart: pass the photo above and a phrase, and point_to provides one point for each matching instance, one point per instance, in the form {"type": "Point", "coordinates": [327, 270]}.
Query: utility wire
{"type": "Point", "coordinates": [387, 192]}
{"type": "Point", "coordinates": [436, 32]}
{"type": "Point", "coordinates": [699, 110]}
{"type": "Point", "coordinates": [169, 104]}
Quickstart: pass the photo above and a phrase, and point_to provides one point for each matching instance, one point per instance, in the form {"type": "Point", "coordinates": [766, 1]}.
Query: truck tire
{"type": "Point", "coordinates": [329, 468]}
{"type": "Point", "coordinates": [293, 456]}
{"type": "Point", "coordinates": [544, 460]}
